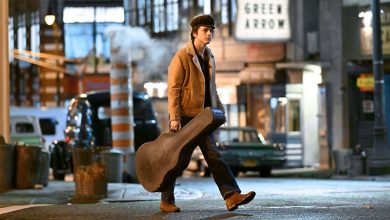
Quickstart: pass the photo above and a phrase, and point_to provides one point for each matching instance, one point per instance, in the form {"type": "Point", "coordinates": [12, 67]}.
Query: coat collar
{"type": "Point", "coordinates": [191, 50]}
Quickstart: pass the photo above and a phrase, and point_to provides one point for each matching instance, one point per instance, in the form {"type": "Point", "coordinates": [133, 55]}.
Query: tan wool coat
{"type": "Point", "coordinates": [186, 84]}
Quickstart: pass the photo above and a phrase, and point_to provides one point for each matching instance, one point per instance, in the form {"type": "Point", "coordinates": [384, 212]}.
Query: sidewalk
{"type": "Point", "coordinates": [63, 192]}
{"type": "Point", "coordinates": [305, 172]}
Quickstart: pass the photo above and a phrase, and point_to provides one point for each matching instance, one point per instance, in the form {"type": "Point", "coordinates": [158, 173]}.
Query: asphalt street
{"type": "Point", "coordinates": [198, 198]}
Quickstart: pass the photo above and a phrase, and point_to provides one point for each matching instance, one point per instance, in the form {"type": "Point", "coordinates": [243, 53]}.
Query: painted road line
{"type": "Point", "coordinates": [19, 207]}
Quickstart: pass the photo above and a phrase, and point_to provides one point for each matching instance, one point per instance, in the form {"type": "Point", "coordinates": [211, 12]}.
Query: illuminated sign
{"type": "Point", "coordinates": [365, 82]}
{"type": "Point", "coordinates": [263, 20]}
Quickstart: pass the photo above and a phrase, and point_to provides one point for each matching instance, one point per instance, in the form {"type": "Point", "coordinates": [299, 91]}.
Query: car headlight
{"type": "Point", "coordinates": [278, 146]}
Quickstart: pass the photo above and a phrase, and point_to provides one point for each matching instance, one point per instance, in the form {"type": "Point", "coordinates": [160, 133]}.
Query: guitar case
{"type": "Point", "coordinates": [159, 162]}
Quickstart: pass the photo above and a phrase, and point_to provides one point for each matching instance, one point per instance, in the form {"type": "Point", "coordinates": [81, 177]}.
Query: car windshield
{"type": "Point", "coordinates": [142, 111]}
{"type": "Point", "coordinates": [236, 135]}
{"type": "Point", "coordinates": [24, 128]}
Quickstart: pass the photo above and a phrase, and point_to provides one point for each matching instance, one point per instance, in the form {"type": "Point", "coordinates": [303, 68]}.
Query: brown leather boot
{"type": "Point", "coordinates": [168, 207]}
{"type": "Point", "coordinates": [236, 199]}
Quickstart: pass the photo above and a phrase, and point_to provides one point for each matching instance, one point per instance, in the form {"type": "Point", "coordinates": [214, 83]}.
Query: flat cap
{"type": "Point", "coordinates": [203, 20]}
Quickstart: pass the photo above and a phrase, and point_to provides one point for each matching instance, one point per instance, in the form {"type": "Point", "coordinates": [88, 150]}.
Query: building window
{"type": "Point", "coordinates": [34, 32]}
{"type": "Point", "coordinates": [224, 12]}
{"type": "Point", "coordinates": [228, 11]}
{"type": "Point", "coordinates": [79, 15]}
{"type": "Point", "coordinates": [172, 15]}
{"type": "Point", "coordinates": [143, 12]}
{"type": "Point", "coordinates": [22, 44]}
{"type": "Point", "coordinates": [158, 17]}
{"type": "Point", "coordinates": [184, 13]}
{"type": "Point", "coordinates": [185, 4]}
{"type": "Point", "coordinates": [93, 14]}
{"type": "Point", "coordinates": [109, 14]}
{"type": "Point", "coordinates": [74, 34]}
{"type": "Point", "coordinates": [207, 7]}
{"type": "Point", "coordinates": [11, 37]}
{"type": "Point", "coordinates": [87, 25]}
{"type": "Point", "coordinates": [166, 15]}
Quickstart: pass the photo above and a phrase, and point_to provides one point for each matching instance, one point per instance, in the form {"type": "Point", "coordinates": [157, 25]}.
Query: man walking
{"type": "Point", "coordinates": [191, 88]}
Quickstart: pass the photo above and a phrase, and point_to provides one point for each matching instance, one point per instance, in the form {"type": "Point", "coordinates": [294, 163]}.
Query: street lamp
{"type": "Point", "coordinates": [50, 16]}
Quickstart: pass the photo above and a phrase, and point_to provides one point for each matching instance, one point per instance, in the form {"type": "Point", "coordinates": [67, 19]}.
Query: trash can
{"type": "Point", "coordinates": [44, 167]}
{"type": "Point", "coordinates": [7, 166]}
{"type": "Point", "coordinates": [342, 161]}
{"type": "Point", "coordinates": [357, 165]}
{"type": "Point", "coordinates": [27, 166]}
{"type": "Point", "coordinates": [113, 159]}
{"type": "Point", "coordinates": [82, 157]}
{"type": "Point", "coordinates": [358, 161]}
{"type": "Point", "coordinates": [90, 175]}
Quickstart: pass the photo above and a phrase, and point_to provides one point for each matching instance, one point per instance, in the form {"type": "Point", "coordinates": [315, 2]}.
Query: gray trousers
{"type": "Point", "coordinates": [221, 173]}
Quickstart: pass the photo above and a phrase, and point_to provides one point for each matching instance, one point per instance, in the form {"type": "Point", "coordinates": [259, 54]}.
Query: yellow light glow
{"type": "Point", "coordinates": [49, 19]}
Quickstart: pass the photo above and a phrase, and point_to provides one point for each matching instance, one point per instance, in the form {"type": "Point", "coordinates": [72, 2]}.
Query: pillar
{"type": "Point", "coordinates": [121, 93]}
{"type": "Point", "coordinates": [4, 71]}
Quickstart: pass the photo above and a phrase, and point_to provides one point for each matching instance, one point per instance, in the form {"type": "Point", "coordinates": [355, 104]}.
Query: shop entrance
{"type": "Point", "coordinates": [293, 114]}
{"type": "Point", "coordinates": [362, 116]}
{"type": "Point", "coordinates": [275, 110]}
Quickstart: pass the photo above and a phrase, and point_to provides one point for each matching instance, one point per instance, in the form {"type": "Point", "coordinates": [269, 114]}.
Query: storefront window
{"type": "Point", "coordinates": [278, 106]}
{"type": "Point", "coordinates": [293, 116]}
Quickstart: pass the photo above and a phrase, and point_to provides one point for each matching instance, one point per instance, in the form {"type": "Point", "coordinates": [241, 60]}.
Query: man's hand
{"type": "Point", "coordinates": [174, 126]}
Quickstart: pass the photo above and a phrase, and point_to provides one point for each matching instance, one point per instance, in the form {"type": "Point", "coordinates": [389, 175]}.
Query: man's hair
{"type": "Point", "coordinates": [201, 20]}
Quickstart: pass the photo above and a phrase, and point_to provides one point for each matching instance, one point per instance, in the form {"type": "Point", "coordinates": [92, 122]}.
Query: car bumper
{"type": "Point", "coordinates": [256, 163]}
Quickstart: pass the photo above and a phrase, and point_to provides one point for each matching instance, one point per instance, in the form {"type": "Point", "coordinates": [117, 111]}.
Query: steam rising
{"type": "Point", "coordinates": [134, 45]}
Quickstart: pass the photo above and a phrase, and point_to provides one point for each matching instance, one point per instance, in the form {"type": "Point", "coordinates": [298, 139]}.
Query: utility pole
{"type": "Point", "coordinates": [380, 161]}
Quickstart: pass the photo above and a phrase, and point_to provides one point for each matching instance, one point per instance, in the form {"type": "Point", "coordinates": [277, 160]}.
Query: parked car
{"type": "Point", "coordinates": [89, 123]}
{"type": "Point", "coordinates": [244, 150]}
{"type": "Point", "coordinates": [51, 121]}
{"type": "Point", "coordinates": [26, 129]}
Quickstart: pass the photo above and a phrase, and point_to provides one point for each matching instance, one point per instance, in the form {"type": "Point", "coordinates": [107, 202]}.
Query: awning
{"type": "Point", "coordinates": [257, 74]}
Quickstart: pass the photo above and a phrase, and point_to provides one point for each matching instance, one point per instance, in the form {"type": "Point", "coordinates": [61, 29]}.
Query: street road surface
{"type": "Point", "coordinates": [198, 198]}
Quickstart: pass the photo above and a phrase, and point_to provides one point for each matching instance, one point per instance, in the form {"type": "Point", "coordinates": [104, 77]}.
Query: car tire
{"type": "Point", "coordinates": [265, 171]}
